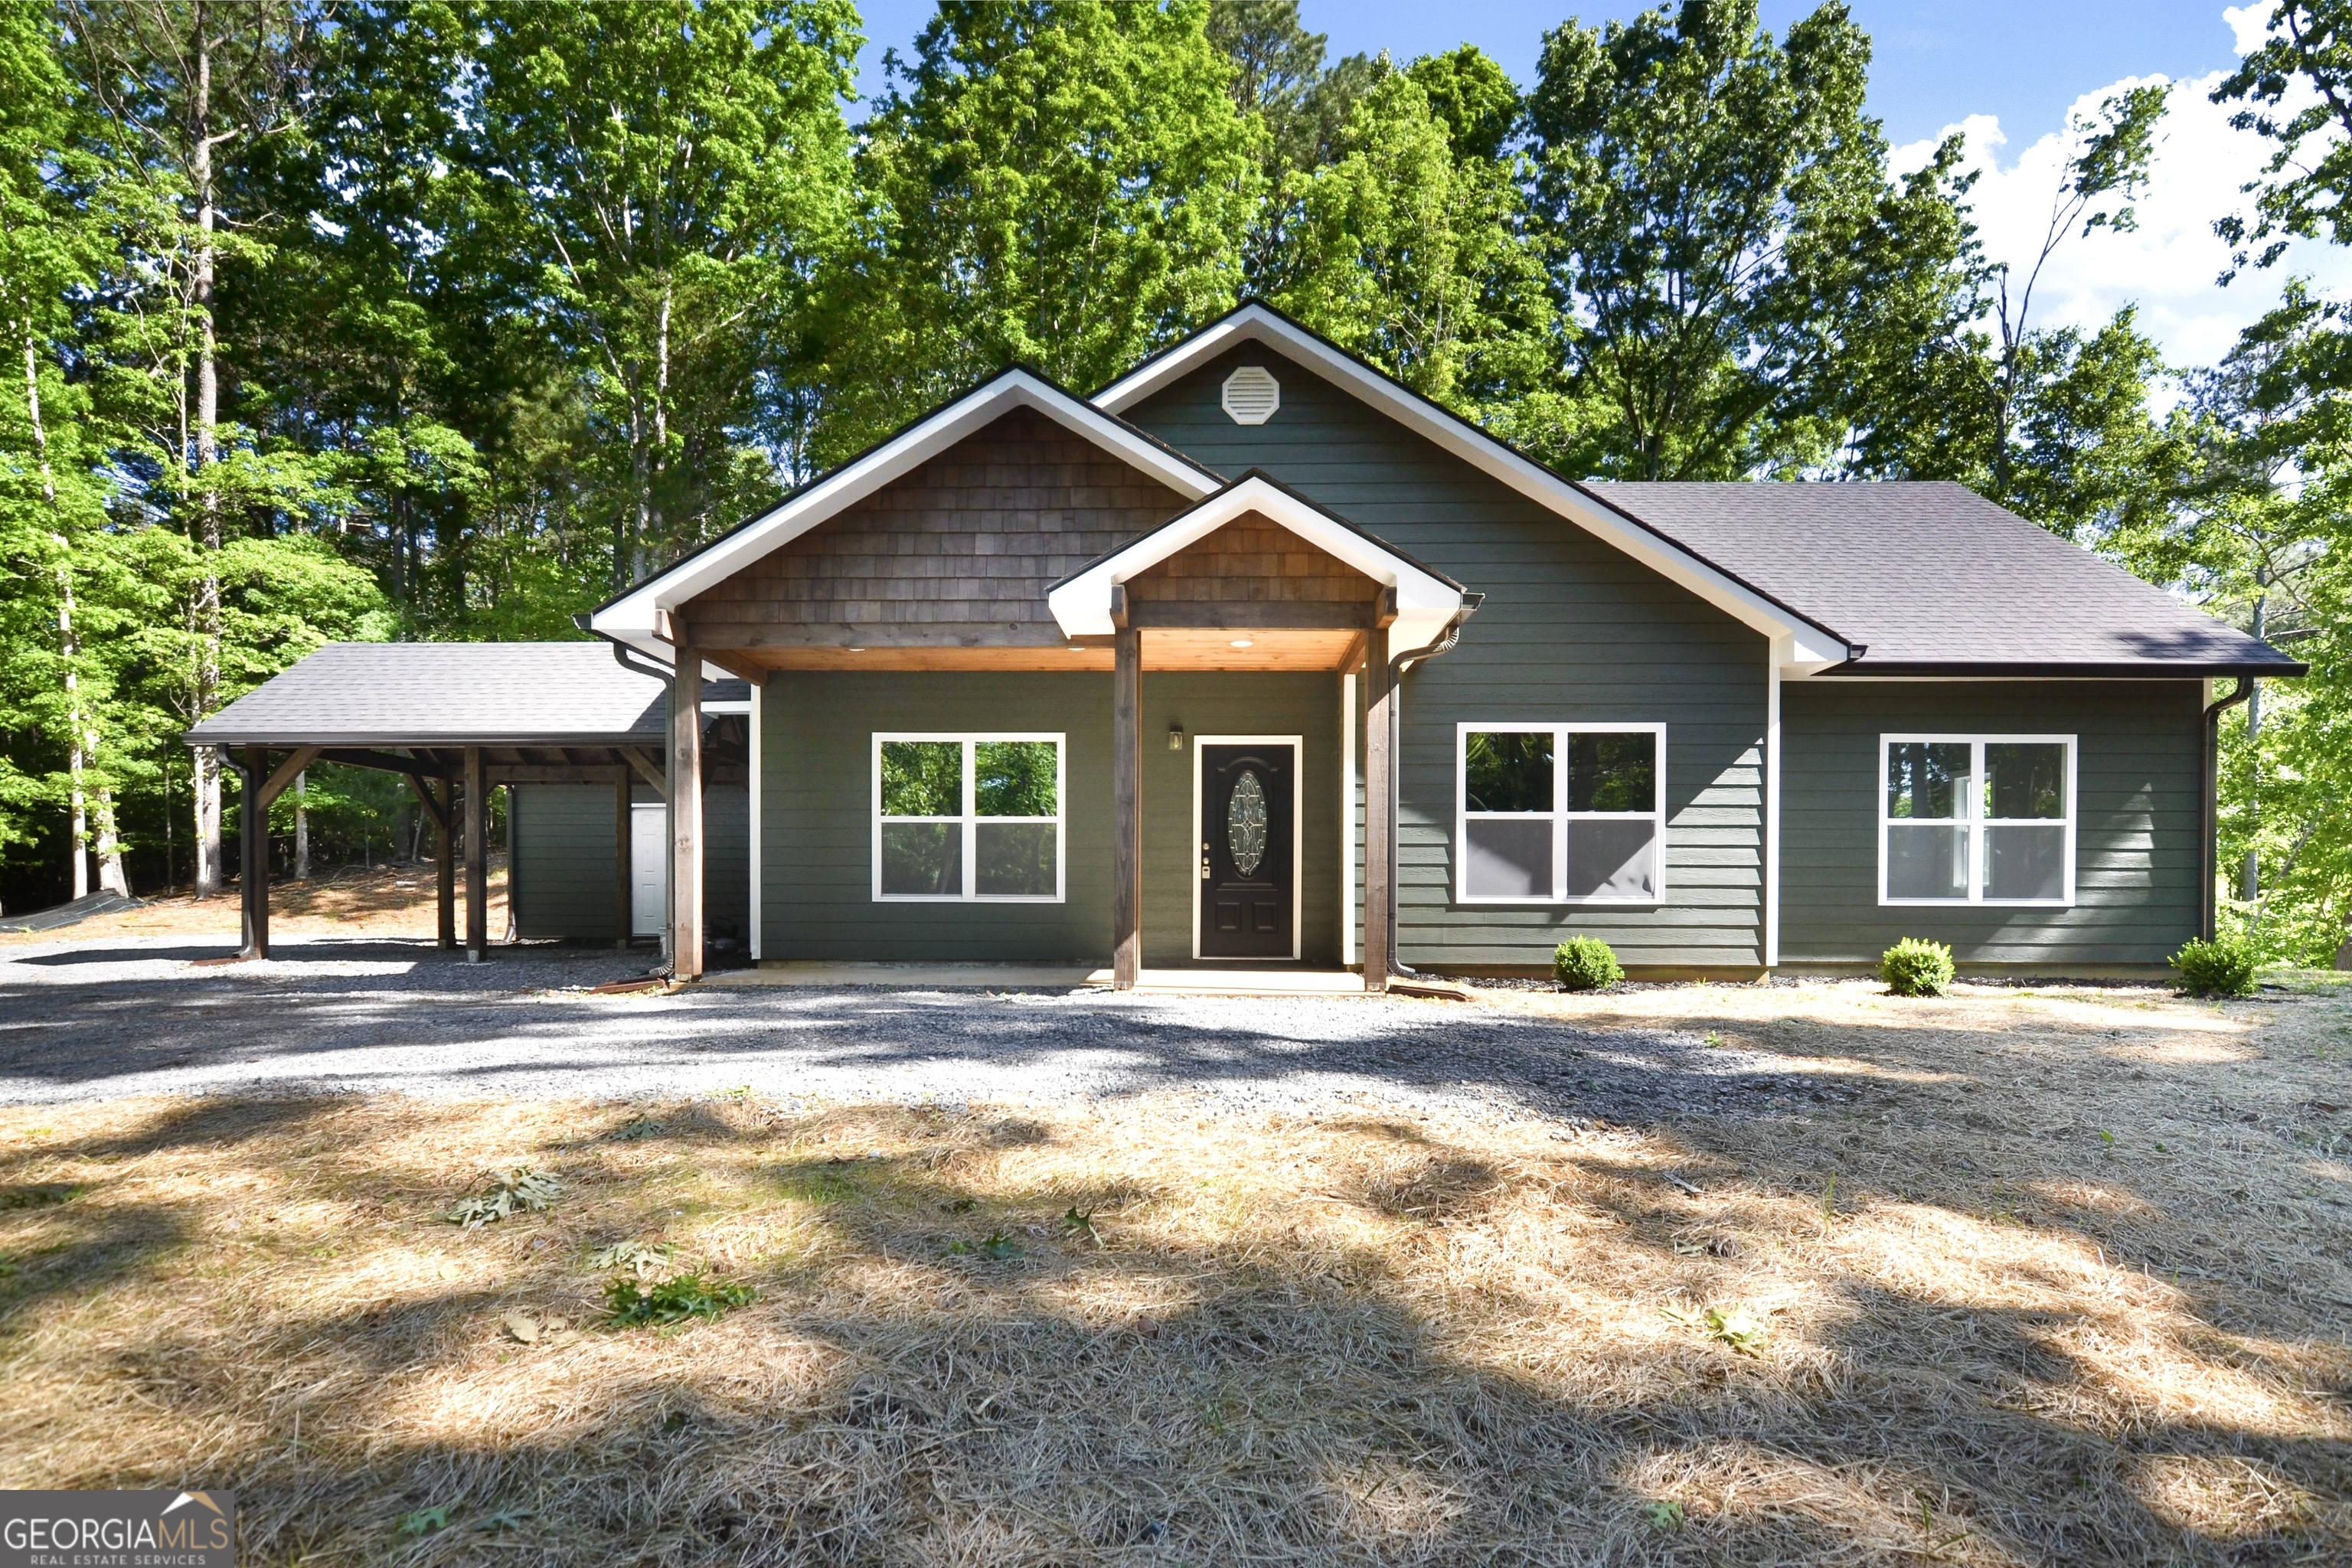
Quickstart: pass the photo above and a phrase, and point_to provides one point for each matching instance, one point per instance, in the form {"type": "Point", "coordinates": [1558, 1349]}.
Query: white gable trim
{"type": "Point", "coordinates": [1813, 648]}
{"type": "Point", "coordinates": [1425, 602]}
{"type": "Point", "coordinates": [639, 617]}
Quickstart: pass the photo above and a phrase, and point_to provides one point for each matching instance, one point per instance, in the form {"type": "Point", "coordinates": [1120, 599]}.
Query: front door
{"type": "Point", "coordinates": [1249, 853]}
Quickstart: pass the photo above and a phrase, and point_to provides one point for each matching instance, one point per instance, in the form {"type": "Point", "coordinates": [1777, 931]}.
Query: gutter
{"type": "Point", "coordinates": [2209, 848]}
{"type": "Point", "coordinates": [623, 653]}
{"type": "Point", "coordinates": [1443, 645]}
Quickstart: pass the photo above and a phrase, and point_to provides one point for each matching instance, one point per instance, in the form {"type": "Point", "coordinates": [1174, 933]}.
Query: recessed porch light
{"type": "Point", "coordinates": [1240, 642]}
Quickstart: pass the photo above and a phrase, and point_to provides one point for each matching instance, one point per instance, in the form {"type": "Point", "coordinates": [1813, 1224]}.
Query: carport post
{"type": "Point", "coordinates": [477, 860]}
{"type": "Point", "coordinates": [1127, 806]}
{"type": "Point", "coordinates": [253, 851]}
{"type": "Point", "coordinates": [686, 809]}
{"type": "Point", "coordinates": [445, 855]}
{"type": "Point", "coordinates": [1379, 811]}
{"type": "Point", "coordinates": [623, 910]}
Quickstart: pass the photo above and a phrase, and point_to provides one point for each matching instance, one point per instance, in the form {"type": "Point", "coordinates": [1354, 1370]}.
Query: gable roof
{"type": "Point", "coordinates": [1426, 599]}
{"type": "Point", "coordinates": [453, 694]}
{"type": "Point", "coordinates": [1809, 643]}
{"type": "Point", "coordinates": [634, 617]}
{"type": "Point", "coordinates": [1932, 578]}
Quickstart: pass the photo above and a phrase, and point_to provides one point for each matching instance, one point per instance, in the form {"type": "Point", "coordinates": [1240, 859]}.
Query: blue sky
{"type": "Point", "coordinates": [2008, 73]}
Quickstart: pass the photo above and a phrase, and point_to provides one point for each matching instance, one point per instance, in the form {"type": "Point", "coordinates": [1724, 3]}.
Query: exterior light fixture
{"type": "Point", "coordinates": [1175, 737]}
{"type": "Point", "coordinates": [1240, 642]}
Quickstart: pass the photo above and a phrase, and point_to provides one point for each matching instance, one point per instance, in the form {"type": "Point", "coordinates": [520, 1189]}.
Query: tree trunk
{"type": "Point", "coordinates": [208, 602]}
{"type": "Point", "coordinates": [301, 827]}
{"type": "Point", "coordinates": [78, 732]}
{"type": "Point", "coordinates": [112, 875]}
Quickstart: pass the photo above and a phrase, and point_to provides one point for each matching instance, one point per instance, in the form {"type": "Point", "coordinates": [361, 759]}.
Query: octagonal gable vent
{"type": "Point", "coordinates": [1252, 395]}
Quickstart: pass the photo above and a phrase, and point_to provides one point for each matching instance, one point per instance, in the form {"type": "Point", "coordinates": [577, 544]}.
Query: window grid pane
{"type": "Point", "coordinates": [1947, 839]}
{"type": "Point", "coordinates": [968, 818]}
{"type": "Point", "coordinates": [1589, 823]}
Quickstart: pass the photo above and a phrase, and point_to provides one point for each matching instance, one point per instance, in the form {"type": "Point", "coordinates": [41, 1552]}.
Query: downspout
{"type": "Point", "coordinates": [2208, 849]}
{"type": "Point", "coordinates": [1396, 667]}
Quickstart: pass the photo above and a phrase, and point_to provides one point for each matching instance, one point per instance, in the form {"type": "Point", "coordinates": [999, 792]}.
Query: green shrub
{"type": "Point", "coordinates": [1585, 963]}
{"type": "Point", "coordinates": [671, 1302]}
{"type": "Point", "coordinates": [1916, 968]}
{"type": "Point", "coordinates": [2222, 967]}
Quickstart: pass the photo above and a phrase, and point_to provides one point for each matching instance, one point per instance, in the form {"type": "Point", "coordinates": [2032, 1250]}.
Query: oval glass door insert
{"type": "Point", "coordinates": [1245, 824]}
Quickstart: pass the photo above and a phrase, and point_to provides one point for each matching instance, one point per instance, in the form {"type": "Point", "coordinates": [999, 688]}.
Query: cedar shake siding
{"type": "Point", "coordinates": [957, 553]}
{"type": "Point", "coordinates": [2136, 811]}
{"type": "Point", "coordinates": [1571, 629]}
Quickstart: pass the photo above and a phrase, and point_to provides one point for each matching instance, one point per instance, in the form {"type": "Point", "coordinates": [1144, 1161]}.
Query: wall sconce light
{"type": "Point", "coordinates": [1175, 737]}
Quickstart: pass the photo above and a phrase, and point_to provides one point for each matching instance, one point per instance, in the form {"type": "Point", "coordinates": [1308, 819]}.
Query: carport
{"type": "Point", "coordinates": [458, 721]}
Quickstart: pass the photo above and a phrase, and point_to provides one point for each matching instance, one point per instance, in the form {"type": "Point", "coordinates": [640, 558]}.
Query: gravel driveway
{"type": "Point", "coordinates": [90, 1021]}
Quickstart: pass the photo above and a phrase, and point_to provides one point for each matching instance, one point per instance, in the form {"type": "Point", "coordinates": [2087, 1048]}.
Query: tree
{"type": "Point", "coordinates": [1063, 185]}
{"type": "Point", "coordinates": [188, 87]}
{"type": "Point", "coordinates": [1411, 249]}
{"type": "Point", "coordinates": [656, 184]}
{"type": "Point", "coordinates": [2307, 50]}
{"type": "Point", "coordinates": [1729, 257]}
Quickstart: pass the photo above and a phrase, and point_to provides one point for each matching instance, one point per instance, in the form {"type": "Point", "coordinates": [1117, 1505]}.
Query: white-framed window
{"type": "Point", "coordinates": [968, 817]}
{"type": "Point", "coordinates": [1976, 819]}
{"type": "Point", "coordinates": [1559, 814]}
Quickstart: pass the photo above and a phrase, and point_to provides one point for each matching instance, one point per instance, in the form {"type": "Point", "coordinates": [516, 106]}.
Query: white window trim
{"type": "Point", "coordinates": [970, 819]}
{"type": "Point", "coordinates": [1297, 745]}
{"type": "Point", "coordinates": [1975, 821]}
{"type": "Point", "coordinates": [1559, 815]}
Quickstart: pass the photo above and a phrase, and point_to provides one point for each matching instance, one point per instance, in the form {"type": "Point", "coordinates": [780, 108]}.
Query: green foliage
{"type": "Point", "coordinates": [1730, 258]}
{"type": "Point", "coordinates": [1585, 963]}
{"type": "Point", "coordinates": [2224, 966]}
{"type": "Point", "coordinates": [1737, 1326]}
{"type": "Point", "coordinates": [1916, 967]}
{"type": "Point", "coordinates": [627, 1305]}
{"type": "Point", "coordinates": [1061, 186]}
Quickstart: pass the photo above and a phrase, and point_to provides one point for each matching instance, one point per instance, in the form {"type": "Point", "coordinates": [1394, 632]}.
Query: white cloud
{"type": "Point", "coordinates": [2170, 263]}
{"type": "Point", "coordinates": [2249, 23]}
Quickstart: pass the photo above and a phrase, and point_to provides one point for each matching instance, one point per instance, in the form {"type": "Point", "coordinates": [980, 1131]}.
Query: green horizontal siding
{"type": "Point", "coordinates": [2138, 819]}
{"type": "Point", "coordinates": [1571, 630]}
{"type": "Point", "coordinates": [817, 834]}
{"type": "Point", "coordinates": [565, 872]}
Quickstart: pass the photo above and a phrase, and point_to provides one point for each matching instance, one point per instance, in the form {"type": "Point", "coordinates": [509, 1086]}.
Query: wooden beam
{"type": "Point", "coordinates": [744, 631]}
{"type": "Point", "coordinates": [435, 812]}
{"type": "Point", "coordinates": [735, 664]}
{"type": "Point", "coordinates": [253, 849]}
{"type": "Point", "coordinates": [623, 841]}
{"type": "Point", "coordinates": [1126, 802]}
{"type": "Point", "coordinates": [1244, 615]}
{"type": "Point", "coordinates": [1119, 606]}
{"type": "Point", "coordinates": [478, 858]}
{"type": "Point", "coordinates": [440, 793]}
{"type": "Point", "coordinates": [648, 769]}
{"type": "Point", "coordinates": [383, 762]}
{"type": "Point", "coordinates": [686, 815]}
{"type": "Point", "coordinates": [1384, 609]}
{"type": "Point", "coordinates": [1380, 808]}
{"type": "Point", "coordinates": [549, 772]}
{"type": "Point", "coordinates": [288, 772]}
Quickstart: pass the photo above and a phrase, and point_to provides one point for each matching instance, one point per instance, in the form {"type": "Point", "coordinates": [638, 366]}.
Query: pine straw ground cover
{"type": "Point", "coordinates": [2054, 1278]}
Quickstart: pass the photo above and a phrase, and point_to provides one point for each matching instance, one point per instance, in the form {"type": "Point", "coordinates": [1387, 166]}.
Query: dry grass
{"type": "Point", "coordinates": [351, 902]}
{"type": "Point", "coordinates": [1997, 1336]}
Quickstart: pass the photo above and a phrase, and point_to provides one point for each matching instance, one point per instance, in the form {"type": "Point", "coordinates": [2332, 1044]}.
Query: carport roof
{"type": "Point", "coordinates": [454, 694]}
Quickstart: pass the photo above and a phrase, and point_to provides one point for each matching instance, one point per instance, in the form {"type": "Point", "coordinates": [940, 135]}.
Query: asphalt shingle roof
{"type": "Point", "coordinates": [448, 694]}
{"type": "Point", "coordinates": [1929, 574]}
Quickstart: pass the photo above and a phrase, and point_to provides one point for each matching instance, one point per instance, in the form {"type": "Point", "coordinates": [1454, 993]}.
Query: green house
{"type": "Point", "coordinates": [1256, 658]}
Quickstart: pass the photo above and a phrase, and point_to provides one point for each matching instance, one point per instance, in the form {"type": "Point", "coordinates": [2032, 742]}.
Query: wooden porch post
{"type": "Point", "coordinates": [1379, 811]}
{"type": "Point", "coordinates": [477, 860]}
{"type": "Point", "coordinates": [254, 853]}
{"type": "Point", "coordinates": [1127, 808]}
{"type": "Point", "coordinates": [685, 810]}
{"type": "Point", "coordinates": [623, 905]}
{"type": "Point", "coordinates": [445, 855]}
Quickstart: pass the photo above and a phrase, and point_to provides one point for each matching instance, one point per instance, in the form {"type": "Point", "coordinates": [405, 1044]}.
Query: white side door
{"type": "Point", "coordinates": [648, 868]}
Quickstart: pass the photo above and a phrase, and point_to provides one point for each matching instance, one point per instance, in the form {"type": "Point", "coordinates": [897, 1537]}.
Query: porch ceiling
{"type": "Point", "coordinates": [1266, 648]}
